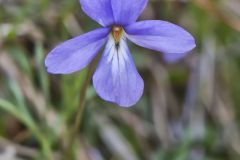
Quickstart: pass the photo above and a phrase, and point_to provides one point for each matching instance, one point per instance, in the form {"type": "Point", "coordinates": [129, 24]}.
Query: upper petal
{"type": "Point", "coordinates": [76, 53]}
{"type": "Point", "coordinates": [127, 11]}
{"type": "Point", "coordinates": [116, 78]}
{"type": "Point", "coordinates": [99, 10]}
{"type": "Point", "coordinates": [161, 36]}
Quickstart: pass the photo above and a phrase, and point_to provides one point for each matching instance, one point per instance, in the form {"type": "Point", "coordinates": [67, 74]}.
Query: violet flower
{"type": "Point", "coordinates": [116, 78]}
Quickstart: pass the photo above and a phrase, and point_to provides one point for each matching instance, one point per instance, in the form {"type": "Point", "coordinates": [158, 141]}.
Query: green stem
{"type": "Point", "coordinates": [69, 154]}
{"type": "Point", "coordinates": [46, 149]}
{"type": "Point", "coordinates": [28, 121]}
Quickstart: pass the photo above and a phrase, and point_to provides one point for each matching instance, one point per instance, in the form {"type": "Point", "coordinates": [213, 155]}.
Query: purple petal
{"type": "Point", "coordinates": [127, 11]}
{"type": "Point", "coordinates": [99, 10]}
{"type": "Point", "coordinates": [76, 53]}
{"type": "Point", "coordinates": [173, 57]}
{"type": "Point", "coordinates": [160, 36]}
{"type": "Point", "coordinates": [116, 78]}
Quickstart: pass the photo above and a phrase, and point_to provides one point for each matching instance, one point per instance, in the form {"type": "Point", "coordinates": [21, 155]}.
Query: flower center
{"type": "Point", "coordinates": [117, 33]}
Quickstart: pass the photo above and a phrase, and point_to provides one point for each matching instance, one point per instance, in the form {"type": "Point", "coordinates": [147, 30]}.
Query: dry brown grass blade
{"type": "Point", "coordinates": [35, 97]}
{"type": "Point", "coordinates": [211, 8]}
{"type": "Point", "coordinates": [159, 92]}
{"type": "Point", "coordinates": [10, 69]}
{"type": "Point", "coordinates": [114, 140]}
{"type": "Point", "coordinates": [20, 150]}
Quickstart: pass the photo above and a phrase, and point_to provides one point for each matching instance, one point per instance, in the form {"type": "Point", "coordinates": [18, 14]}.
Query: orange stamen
{"type": "Point", "coordinates": [117, 33]}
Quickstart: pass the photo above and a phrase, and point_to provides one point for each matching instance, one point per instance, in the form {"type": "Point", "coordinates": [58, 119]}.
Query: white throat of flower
{"type": "Point", "coordinates": [117, 52]}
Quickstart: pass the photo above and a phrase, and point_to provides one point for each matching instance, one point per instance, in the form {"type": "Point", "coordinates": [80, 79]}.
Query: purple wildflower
{"type": "Point", "coordinates": [116, 78]}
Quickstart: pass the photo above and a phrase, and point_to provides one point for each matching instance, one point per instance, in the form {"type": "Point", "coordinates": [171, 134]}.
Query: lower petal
{"type": "Point", "coordinates": [116, 78]}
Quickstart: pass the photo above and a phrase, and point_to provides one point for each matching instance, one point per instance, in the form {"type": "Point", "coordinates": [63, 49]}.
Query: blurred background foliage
{"type": "Point", "coordinates": [189, 110]}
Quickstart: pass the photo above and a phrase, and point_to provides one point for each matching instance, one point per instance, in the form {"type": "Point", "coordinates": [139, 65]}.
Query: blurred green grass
{"type": "Point", "coordinates": [190, 110]}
